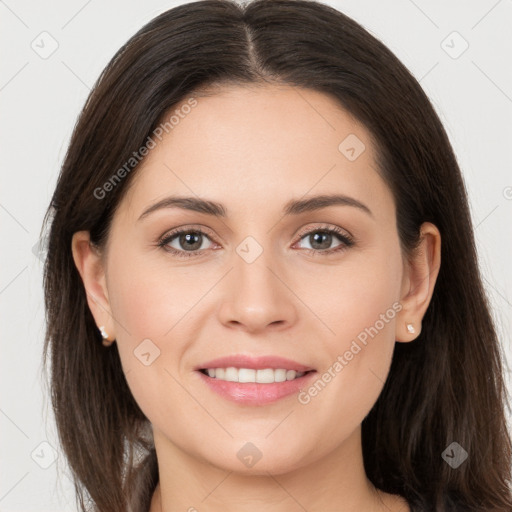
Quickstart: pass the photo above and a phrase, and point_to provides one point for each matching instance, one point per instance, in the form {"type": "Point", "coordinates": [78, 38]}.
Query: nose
{"type": "Point", "coordinates": [256, 296]}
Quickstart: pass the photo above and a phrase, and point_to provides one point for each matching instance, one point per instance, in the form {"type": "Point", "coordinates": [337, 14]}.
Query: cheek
{"type": "Point", "coordinates": [147, 304]}
{"type": "Point", "coordinates": [155, 306]}
{"type": "Point", "coordinates": [148, 299]}
{"type": "Point", "coordinates": [360, 295]}
{"type": "Point", "coordinates": [356, 355]}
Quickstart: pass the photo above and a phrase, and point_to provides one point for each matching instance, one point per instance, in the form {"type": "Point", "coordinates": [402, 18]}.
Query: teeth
{"type": "Point", "coordinates": [264, 376]}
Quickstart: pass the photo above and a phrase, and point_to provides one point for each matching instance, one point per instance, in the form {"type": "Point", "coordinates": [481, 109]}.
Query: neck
{"type": "Point", "coordinates": [336, 482]}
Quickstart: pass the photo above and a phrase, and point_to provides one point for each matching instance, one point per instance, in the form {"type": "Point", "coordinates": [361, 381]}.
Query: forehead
{"type": "Point", "coordinates": [246, 146]}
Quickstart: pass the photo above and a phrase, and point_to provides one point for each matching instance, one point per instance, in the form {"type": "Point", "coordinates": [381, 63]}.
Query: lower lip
{"type": "Point", "coordinates": [253, 393]}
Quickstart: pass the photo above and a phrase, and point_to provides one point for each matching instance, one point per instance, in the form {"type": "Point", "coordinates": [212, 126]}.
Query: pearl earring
{"type": "Point", "coordinates": [104, 335]}
{"type": "Point", "coordinates": [410, 328]}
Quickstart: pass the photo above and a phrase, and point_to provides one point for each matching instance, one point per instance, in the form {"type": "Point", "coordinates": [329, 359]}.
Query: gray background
{"type": "Point", "coordinates": [41, 96]}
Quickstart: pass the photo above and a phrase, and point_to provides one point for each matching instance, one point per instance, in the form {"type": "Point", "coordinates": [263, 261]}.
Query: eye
{"type": "Point", "coordinates": [321, 239]}
{"type": "Point", "coordinates": [187, 242]}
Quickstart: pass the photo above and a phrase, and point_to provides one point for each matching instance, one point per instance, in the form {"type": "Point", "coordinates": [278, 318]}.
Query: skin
{"type": "Point", "coordinates": [253, 149]}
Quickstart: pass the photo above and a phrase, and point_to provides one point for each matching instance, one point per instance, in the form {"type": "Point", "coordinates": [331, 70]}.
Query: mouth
{"type": "Point", "coordinates": [254, 380]}
{"type": "Point", "coordinates": [256, 369]}
{"type": "Point", "coordinates": [248, 375]}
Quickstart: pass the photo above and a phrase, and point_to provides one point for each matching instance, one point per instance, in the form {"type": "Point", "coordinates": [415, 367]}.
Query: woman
{"type": "Point", "coordinates": [241, 369]}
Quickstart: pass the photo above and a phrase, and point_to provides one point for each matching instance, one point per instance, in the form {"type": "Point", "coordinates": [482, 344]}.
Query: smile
{"type": "Point", "coordinates": [252, 392]}
{"type": "Point", "coordinates": [262, 376]}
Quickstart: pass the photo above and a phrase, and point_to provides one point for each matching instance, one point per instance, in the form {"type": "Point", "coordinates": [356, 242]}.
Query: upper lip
{"type": "Point", "coordinates": [255, 363]}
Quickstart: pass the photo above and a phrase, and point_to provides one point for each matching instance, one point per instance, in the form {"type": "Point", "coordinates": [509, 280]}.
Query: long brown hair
{"type": "Point", "coordinates": [447, 386]}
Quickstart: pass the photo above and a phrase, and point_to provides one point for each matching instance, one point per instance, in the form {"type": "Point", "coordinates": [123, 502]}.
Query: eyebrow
{"type": "Point", "coordinates": [292, 207]}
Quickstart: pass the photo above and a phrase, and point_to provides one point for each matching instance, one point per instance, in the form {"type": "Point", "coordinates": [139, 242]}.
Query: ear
{"type": "Point", "coordinates": [419, 278]}
{"type": "Point", "coordinates": [90, 265]}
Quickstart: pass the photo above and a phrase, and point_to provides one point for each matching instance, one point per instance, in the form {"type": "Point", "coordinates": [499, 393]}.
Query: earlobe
{"type": "Point", "coordinates": [90, 267]}
{"type": "Point", "coordinates": [410, 328]}
{"type": "Point", "coordinates": [420, 275]}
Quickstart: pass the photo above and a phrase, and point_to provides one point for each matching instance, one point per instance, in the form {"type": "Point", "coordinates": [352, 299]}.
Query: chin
{"type": "Point", "coordinates": [250, 460]}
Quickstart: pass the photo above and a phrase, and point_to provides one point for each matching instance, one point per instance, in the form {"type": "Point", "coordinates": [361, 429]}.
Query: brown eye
{"type": "Point", "coordinates": [190, 241]}
{"type": "Point", "coordinates": [321, 240]}
{"type": "Point", "coordinates": [185, 242]}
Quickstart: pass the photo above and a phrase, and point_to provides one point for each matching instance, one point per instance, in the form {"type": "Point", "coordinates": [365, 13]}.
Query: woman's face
{"type": "Point", "coordinates": [264, 281]}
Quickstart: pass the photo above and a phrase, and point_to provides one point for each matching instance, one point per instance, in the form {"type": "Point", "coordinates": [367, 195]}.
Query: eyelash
{"type": "Point", "coordinates": [346, 240]}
